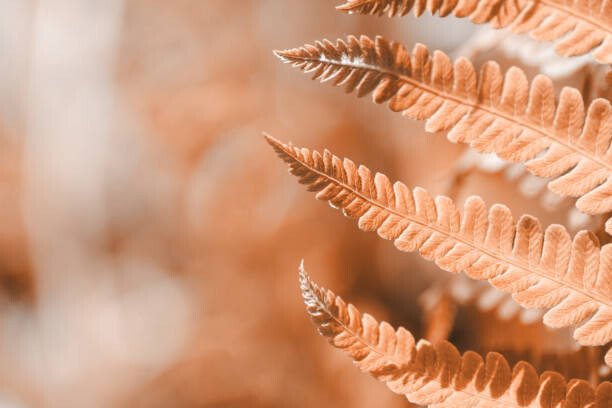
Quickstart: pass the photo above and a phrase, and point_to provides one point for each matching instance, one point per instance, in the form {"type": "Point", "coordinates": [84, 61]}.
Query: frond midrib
{"type": "Point", "coordinates": [456, 99]}
{"type": "Point", "coordinates": [381, 353]}
{"type": "Point", "coordinates": [562, 8]}
{"type": "Point", "coordinates": [511, 260]}
{"type": "Point", "coordinates": [579, 15]}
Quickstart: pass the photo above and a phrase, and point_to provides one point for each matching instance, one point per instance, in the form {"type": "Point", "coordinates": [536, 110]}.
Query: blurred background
{"type": "Point", "coordinates": [150, 239]}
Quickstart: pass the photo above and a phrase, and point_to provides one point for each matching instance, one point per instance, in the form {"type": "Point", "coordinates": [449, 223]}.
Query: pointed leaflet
{"type": "Point", "coordinates": [437, 374]}
{"type": "Point", "coordinates": [492, 112]}
{"type": "Point", "coordinates": [541, 269]}
{"type": "Point", "coordinates": [582, 26]}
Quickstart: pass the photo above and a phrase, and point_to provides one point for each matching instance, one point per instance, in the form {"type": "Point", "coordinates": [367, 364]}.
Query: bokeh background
{"type": "Point", "coordinates": [150, 239]}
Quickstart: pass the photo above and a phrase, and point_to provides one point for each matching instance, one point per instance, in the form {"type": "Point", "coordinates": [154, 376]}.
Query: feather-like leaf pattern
{"type": "Point", "coordinates": [581, 26]}
{"type": "Point", "coordinates": [492, 112]}
{"type": "Point", "coordinates": [437, 374]}
{"type": "Point", "coordinates": [541, 269]}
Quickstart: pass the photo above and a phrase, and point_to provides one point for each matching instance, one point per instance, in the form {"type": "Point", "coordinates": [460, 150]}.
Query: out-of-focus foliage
{"type": "Point", "coordinates": [147, 232]}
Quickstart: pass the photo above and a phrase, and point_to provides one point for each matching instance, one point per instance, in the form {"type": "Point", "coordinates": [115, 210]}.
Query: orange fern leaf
{"type": "Point", "coordinates": [582, 26]}
{"type": "Point", "coordinates": [493, 112]}
{"type": "Point", "coordinates": [541, 269]}
{"type": "Point", "coordinates": [438, 374]}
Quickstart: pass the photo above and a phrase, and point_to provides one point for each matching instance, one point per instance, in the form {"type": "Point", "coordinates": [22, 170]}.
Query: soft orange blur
{"type": "Point", "coordinates": [150, 239]}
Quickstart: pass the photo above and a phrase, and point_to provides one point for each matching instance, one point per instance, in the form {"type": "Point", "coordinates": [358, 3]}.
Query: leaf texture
{"type": "Point", "coordinates": [493, 112]}
{"type": "Point", "coordinates": [437, 374]}
{"type": "Point", "coordinates": [541, 269]}
{"type": "Point", "coordinates": [581, 26]}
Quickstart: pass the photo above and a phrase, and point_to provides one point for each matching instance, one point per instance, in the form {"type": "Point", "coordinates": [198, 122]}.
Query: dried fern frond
{"type": "Point", "coordinates": [582, 26]}
{"type": "Point", "coordinates": [492, 112]}
{"type": "Point", "coordinates": [542, 269]}
{"type": "Point", "coordinates": [437, 374]}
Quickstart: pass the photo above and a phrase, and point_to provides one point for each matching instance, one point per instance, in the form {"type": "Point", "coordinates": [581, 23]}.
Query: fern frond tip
{"type": "Point", "coordinates": [281, 55]}
{"type": "Point", "coordinates": [373, 7]}
{"type": "Point", "coordinates": [350, 5]}
{"type": "Point", "coordinates": [304, 278]}
{"type": "Point", "coordinates": [268, 137]}
{"type": "Point", "coordinates": [281, 149]}
{"type": "Point", "coordinates": [288, 56]}
{"type": "Point", "coordinates": [310, 290]}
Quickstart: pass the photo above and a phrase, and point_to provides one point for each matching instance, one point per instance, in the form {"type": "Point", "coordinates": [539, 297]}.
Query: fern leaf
{"type": "Point", "coordinates": [582, 26]}
{"type": "Point", "coordinates": [437, 374]}
{"type": "Point", "coordinates": [493, 112]}
{"type": "Point", "coordinates": [541, 269]}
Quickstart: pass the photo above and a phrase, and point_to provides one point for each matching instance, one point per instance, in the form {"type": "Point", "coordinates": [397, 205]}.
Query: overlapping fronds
{"type": "Point", "coordinates": [465, 292]}
{"type": "Point", "coordinates": [582, 26]}
{"type": "Point", "coordinates": [528, 185]}
{"type": "Point", "coordinates": [502, 45]}
{"type": "Point", "coordinates": [492, 112]}
{"type": "Point", "coordinates": [437, 374]}
{"type": "Point", "coordinates": [542, 269]}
